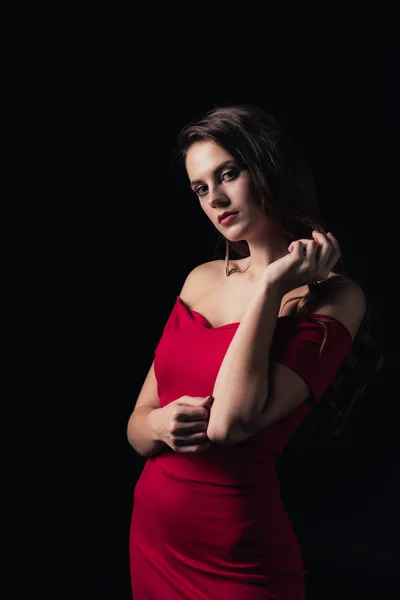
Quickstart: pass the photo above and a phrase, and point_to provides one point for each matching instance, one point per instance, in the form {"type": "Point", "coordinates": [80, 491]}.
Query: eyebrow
{"type": "Point", "coordinates": [217, 170]}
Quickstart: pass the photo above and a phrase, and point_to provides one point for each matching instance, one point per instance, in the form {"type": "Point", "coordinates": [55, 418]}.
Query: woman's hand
{"type": "Point", "coordinates": [183, 424]}
{"type": "Point", "coordinates": [308, 261]}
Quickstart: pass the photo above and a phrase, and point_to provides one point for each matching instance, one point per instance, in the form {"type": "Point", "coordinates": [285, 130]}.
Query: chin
{"type": "Point", "coordinates": [236, 236]}
{"type": "Point", "coordinates": [233, 238]}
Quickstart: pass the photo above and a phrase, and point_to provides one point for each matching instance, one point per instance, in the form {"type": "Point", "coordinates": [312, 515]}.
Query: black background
{"type": "Point", "coordinates": [135, 233]}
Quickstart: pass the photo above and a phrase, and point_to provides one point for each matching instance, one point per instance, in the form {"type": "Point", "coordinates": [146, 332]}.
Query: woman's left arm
{"type": "Point", "coordinates": [241, 386]}
{"type": "Point", "coordinates": [250, 393]}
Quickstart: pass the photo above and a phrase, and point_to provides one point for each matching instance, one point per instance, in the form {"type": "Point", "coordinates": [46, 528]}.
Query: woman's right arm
{"type": "Point", "coordinates": [142, 432]}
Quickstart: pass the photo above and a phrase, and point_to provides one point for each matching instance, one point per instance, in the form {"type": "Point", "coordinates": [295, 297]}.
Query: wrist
{"type": "Point", "coordinates": [153, 422]}
{"type": "Point", "coordinates": [272, 288]}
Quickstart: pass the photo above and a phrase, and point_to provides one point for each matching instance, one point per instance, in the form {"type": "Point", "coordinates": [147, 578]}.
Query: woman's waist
{"type": "Point", "coordinates": [247, 524]}
{"type": "Point", "coordinates": [220, 465]}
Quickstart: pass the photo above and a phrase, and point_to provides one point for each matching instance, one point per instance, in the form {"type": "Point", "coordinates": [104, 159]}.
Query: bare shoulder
{"type": "Point", "coordinates": [201, 280]}
{"type": "Point", "coordinates": [344, 300]}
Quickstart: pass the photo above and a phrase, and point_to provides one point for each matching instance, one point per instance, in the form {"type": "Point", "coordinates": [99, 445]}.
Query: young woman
{"type": "Point", "coordinates": [250, 349]}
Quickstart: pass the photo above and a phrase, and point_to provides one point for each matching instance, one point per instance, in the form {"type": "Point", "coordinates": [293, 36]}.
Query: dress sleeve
{"type": "Point", "coordinates": [313, 346]}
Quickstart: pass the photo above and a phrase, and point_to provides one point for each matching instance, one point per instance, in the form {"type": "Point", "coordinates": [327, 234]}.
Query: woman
{"type": "Point", "coordinates": [251, 348]}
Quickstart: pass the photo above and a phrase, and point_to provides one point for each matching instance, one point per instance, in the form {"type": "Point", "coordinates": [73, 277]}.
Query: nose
{"type": "Point", "coordinates": [216, 196]}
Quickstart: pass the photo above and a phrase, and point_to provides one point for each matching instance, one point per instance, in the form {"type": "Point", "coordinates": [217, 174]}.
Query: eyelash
{"type": "Point", "coordinates": [235, 173]}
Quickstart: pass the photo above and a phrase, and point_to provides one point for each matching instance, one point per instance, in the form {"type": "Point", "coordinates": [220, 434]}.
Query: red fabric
{"type": "Point", "coordinates": [314, 347]}
{"type": "Point", "coordinates": [212, 526]}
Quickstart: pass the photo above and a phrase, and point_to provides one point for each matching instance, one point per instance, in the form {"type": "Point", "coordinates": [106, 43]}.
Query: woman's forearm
{"type": "Point", "coordinates": [142, 432]}
{"type": "Point", "coordinates": [241, 386]}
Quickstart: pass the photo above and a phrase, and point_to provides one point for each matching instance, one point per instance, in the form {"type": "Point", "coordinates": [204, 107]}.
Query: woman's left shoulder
{"type": "Point", "coordinates": [343, 299]}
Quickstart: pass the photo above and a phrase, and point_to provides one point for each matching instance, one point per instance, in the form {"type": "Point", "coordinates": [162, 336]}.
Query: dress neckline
{"type": "Point", "coordinates": [191, 311]}
{"type": "Point", "coordinates": [206, 321]}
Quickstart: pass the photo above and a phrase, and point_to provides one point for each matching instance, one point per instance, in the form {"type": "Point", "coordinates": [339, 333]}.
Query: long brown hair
{"type": "Point", "coordinates": [285, 185]}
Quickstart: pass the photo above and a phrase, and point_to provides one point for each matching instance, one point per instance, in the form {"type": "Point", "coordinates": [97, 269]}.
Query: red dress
{"type": "Point", "coordinates": [212, 526]}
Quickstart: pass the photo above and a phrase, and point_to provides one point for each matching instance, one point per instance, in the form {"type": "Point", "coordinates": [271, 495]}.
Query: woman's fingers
{"type": "Point", "coordinates": [320, 253]}
{"type": "Point", "coordinates": [311, 252]}
{"type": "Point", "coordinates": [336, 254]}
{"type": "Point", "coordinates": [326, 249]}
{"type": "Point", "coordinates": [306, 250]}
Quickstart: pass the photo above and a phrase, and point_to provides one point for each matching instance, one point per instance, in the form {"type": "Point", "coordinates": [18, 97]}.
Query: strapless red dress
{"type": "Point", "coordinates": [213, 526]}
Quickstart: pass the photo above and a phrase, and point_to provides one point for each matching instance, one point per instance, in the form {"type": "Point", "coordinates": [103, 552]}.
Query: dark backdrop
{"type": "Point", "coordinates": [138, 231]}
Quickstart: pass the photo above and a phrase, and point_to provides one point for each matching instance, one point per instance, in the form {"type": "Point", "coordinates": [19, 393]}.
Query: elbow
{"type": "Point", "coordinates": [224, 439]}
{"type": "Point", "coordinates": [228, 435]}
{"type": "Point", "coordinates": [218, 437]}
{"type": "Point", "coordinates": [239, 431]}
{"type": "Point", "coordinates": [129, 436]}
{"type": "Point", "coordinates": [224, 429]}
{"type": "Point", "coordinates": [129, 428]}
{"type": "Point", "coordinates": [219, 434]}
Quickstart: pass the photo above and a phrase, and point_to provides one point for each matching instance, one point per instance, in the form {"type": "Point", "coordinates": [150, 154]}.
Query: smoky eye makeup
{"type": "Point", "coordinates": [230, 172]}
{"type": "Point", "coordinates": [226, 172]}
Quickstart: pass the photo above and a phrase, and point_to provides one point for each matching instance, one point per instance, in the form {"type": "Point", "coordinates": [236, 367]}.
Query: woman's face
{"type": "Point", "coordinates": [222, 186]}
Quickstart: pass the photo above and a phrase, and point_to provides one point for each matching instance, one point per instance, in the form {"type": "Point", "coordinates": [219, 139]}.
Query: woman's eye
{"type": "Point", "coordinates": [201, 190]}
{"type": "Point", "coordinates": [230, 174]}
{"type": "Point", "coordinates": [227, 175]}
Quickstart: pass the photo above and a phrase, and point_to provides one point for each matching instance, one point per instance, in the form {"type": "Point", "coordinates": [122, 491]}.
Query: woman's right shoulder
{"type": "Point", "coordinates": [201, 280]}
